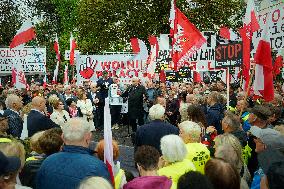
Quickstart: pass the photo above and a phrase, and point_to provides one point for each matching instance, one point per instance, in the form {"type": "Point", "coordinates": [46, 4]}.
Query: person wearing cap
{"type": "Point", "coordinates": [259, 115]}
{"type": "Point", "coordinates": [66, 169]}
{"type": "Point", "coordinates": [9, 168]}
{"type": "Point", "coordinates": [265, 140]}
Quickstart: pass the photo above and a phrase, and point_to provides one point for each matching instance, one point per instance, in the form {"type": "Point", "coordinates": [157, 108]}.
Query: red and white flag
{"type": "Point", "coordinates": [263, 82]}
{"type": "Point", "coordinates": [278, 64]}
{"type": "Point", "coordinates": [108, 148]}
{"type": "Point", "coordinates": [24, 34]}
{"type": "Point", "coordinates": [250, 25]}
{"type": "Point", "coordinates": [66, 79]}
{"type": "Point", "coordinates": [18, 77]}
{"type": "Point", "coordinates": [139, 47]}
{"type": "Point", "coordinates": [73, 46]}
{"type": "Point", "coordinates": [196, 77]}
{"type": "Point", "coordinates": [56, 48]}
{"type": "Point", "coordinates": [151, 62]}
{"type": "Point", "coordinates": [55, 73]}
{"type": "Point", "coordinates": [172, 17]}
{"type": "Point", "coordinates": [162, 76]}
{"type": "Point", "coordinates": [228, 33]}
{"type": "Point", "coordinates": [187, 39]}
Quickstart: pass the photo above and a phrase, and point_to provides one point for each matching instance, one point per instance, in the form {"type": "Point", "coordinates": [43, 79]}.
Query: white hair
{"type": "Point", "coordinates": [95, 183]}
{"type": "Point", "coordinates": [173, 148]}
{"type": "Point", "coordinates": [191, 128]}
{"type": "Point", "coordinates": [75, 129]}
{"type": "Point", "coordinates": [157, 111]}
{"type": "Point", "coordinates": [11, 98]}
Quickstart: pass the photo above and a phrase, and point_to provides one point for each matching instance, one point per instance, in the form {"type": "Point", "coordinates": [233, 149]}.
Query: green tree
{"type": "Point", "coordinates": [9, 21]}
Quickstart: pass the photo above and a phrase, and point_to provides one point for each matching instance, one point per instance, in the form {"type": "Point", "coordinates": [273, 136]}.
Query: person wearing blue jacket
{"type": "Point", "coordinates": [66, 169]}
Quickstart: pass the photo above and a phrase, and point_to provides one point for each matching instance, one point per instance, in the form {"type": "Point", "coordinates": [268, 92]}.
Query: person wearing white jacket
{"type": "Point", "coordinates": [59, 115]}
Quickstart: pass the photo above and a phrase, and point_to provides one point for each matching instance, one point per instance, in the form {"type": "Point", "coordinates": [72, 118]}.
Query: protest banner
{"type": "Point", "coordinates": [124, 66]}
{"type": "Point", "coordinates": [228, 55]}
{"type": "Point", "coordinates": [273, 15]}
{"type": "Point", "coordinates": [32, 59]}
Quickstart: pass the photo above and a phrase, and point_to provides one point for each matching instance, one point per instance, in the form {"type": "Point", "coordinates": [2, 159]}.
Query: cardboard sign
{"type": "Point", "coordinates": [33, 60]}
{"type": "Point", "coordinates": [273, 16]}
{"type": "Point", "coordinates": [228, 55]}
{"type": "Point", "coordinates": [125, 66]}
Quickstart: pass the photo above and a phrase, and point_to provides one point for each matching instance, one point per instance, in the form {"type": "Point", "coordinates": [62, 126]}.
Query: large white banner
{"type": "Point", "coordinates": [124, 66]}
{"type": "Point", "coordinates": [33, 60]}
{"type": "Point", "coordinates": [274, 17]}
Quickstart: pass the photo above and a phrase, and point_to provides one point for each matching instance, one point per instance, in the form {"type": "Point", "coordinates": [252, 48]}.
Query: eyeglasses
{"type": "Point", "coordinates": [61, 104]}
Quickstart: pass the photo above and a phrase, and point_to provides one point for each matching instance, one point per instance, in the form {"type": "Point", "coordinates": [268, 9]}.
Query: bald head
{"type": "Point", "coordinates": [135, 81]}
{"type": "Point", "coordinates": [38, 103]}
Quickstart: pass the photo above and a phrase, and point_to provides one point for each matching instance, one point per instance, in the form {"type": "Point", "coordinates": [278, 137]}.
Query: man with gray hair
{"type": "Point", "coordinates": [151, 133]}
{"type": "Point", "coordinates": [15, 122]}
{"type": "Point", "coordinates": [75, 162]}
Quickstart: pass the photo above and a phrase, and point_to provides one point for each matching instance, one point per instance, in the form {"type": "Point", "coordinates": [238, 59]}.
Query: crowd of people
{"type": "Point", "coordinates": [185, 136]}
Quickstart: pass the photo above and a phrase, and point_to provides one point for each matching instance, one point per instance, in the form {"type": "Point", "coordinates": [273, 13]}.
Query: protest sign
{"type": "Point", "coordinates": [33, 60]}
{"type": "Point", "coordinates": [228, 55]}
{"type": "Point", "coordinates": [124, 66]}
{"type": "Point", "coordinates": [273, 15]}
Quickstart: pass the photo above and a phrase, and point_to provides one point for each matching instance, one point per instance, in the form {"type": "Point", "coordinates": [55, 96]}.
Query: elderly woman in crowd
{"type": "Point", "coordinates": [59, 115]}
{"type": "Point", "coordinates": [72, 107]}
{"type": "Point", "coordinates": [197, 152]}
{"type": "Point", "coordinates": [173, 161]}
{"type": "Point", "coordinates": [85, 105]}
{"type": "Point", "coordinates": [95, 183]}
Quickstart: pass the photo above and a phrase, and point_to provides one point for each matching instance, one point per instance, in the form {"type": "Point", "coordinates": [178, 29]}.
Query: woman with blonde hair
{"type": "Point", "coordinates": [85, 106]}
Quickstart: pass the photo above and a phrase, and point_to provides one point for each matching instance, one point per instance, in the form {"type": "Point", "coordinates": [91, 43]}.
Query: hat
{"type": "Point", "coordinates": [8, 164]}
{"type": "Point", "coordinates": [261, 112]}
{"type": "Point", "coordinates": [270, 137]}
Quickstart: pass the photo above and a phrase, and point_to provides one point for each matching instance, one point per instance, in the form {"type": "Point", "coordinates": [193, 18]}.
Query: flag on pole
{"type": "Point", "coordinates": [172, 17]}
{"type": "Point", "coordinates": [73, 46]}
{"type": "Point", "coordinates": [151, 61]}
{"type": "Point", "coordinates": [55, 73]}
{"type": "Point", "coordinates": [56, 48]}
{"type": "Point", "coordinates": [186, 41]}
{"type": "Point", "coordinates": [66, 79]}
{"type": "Point", "coordinates": [250, 26]}
{"type": "Point", "coordinates": [228, 33]}
{"type": "Point", "coordinates": [139, 47]}
{"type": "Point", "coordinates": [263, 83]}
{"type": "Point", "coordinates": [162, 76]}
{"type": "Point", "coordinates": [108, 148]}
{"type": "Point", "coordinates": [18, 77]}
{"type": "Point", "coordinates": [24, 34]}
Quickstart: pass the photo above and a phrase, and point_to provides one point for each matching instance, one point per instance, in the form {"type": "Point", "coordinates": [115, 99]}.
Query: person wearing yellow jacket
{"type": "Point", "coordinates": [197, 152]}
{"type": "Point", "coordinates": [172, 162]}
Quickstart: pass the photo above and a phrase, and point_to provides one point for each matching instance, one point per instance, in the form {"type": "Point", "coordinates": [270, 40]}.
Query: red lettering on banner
{"type": "Point", "coordinates": [230, 51]}
{"type": "Point", "coordinates": [275, 19]}
{"type": "Point", "coordinates": [127, 74]}
{"type": "Point", "coordinates": [105, 65]}
{"type": "Point", "coordinates": [122, 65]}
{"type": "Point", "coordinates": [121, 74]}
{"type": "Point", "coordinates": [136, 72]}
{"type": "Point", "coordinates": [99, 74]}
{"type": "Point", "coordinates": [130, 64]}
{"type": "Point", "coordinates": [224, 50]}
{"type": "Point", "coordinates": [238, 48]}
{"type": "Point", "coordinates": [115, 65]}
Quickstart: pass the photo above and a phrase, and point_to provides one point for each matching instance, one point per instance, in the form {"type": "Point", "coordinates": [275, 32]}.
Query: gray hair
{"type": "Point", "coordinates": [191, 128]}
{"type": "Point", "coordinates": [232, 121]}
{"type": "Point", "coordinates": [95, 183]}
{"type": "Point", "coordinates": [11, 98]}
{"type": "Point", "coordinates": [173, 148]}
{"type": "Point", "coordinates": [157, 111]}
{"type": "Point", "coordinates": [75, 129]}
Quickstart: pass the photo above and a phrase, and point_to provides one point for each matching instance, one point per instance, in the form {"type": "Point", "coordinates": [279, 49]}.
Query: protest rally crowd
{"type": "Point", "coordinates": [184, 136]}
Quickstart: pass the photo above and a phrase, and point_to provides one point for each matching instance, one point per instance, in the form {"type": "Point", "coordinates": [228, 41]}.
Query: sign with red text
{"type": "Point", "coordinates": [124, 66]}
{"type": "Point", "coordinates": [33, 60]}
{"type": "Point", "coordinates": [273, 15]}
{"type": "Point", "coordinates": [228, 55]}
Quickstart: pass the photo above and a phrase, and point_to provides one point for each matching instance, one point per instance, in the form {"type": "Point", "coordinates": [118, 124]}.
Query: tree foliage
{"type": "Point", "coordinates": [9, 21]}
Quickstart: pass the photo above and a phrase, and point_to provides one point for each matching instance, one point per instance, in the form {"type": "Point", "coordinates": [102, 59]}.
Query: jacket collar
{"type": "Point", "coordinates": [77, 149]}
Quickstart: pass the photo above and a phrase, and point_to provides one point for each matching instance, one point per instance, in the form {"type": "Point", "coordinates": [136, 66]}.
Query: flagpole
{"type": "Point", "coordinates": [228, 87]}
{"type": "Point", "coordinates": [249, 85]}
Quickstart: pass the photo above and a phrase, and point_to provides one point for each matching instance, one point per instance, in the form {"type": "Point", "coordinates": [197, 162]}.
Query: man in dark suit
{"type": "Point", "coordinates": [15, 122]}
{"type": "Point", "coordinates": [151, 133]}
{"type": "Point", "coordinates": [37, 120]}
{"type": "Point", "coordinates": [136, 94]}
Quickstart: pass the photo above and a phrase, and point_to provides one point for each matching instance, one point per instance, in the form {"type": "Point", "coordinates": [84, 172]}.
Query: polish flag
{"type": "Point", "coordinates": [187, 39]}
{"type": "Point", "coordinates": [14, 75]}
{"type": "Point", "coordinates": [172, 17]}
{"type": "Point", "coordinates": [263, 83]}
{"type": "Point", "coordinates": [66, 75]}
{"type": "Point", "coordinates": [151, 62]}
{"type": "Point", "coordinates": [278, 64]}
{"type": "Point", "coordinates": [24, 34]}
{"type": "Point", "coordinates": [108, 148]}
{"type": "Point", "coordinates": [73, 46]}
{"type": "Point", "coordinates": [55, 73]}
{"type": "Point", "coordinates": [56, 48]}
{"type": "Point", "coordinates": [162, 76]}
{"type": "Point", "coordinates": [250, 26]}
{"type": "Point", "coordinates": [196, 77]}
{"type": "Point", "coordinates": [18, 77]}
{"type": "Point", "coordinates": [139, 47]}
{"type": "Point", "coordinates": [227, 33]}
